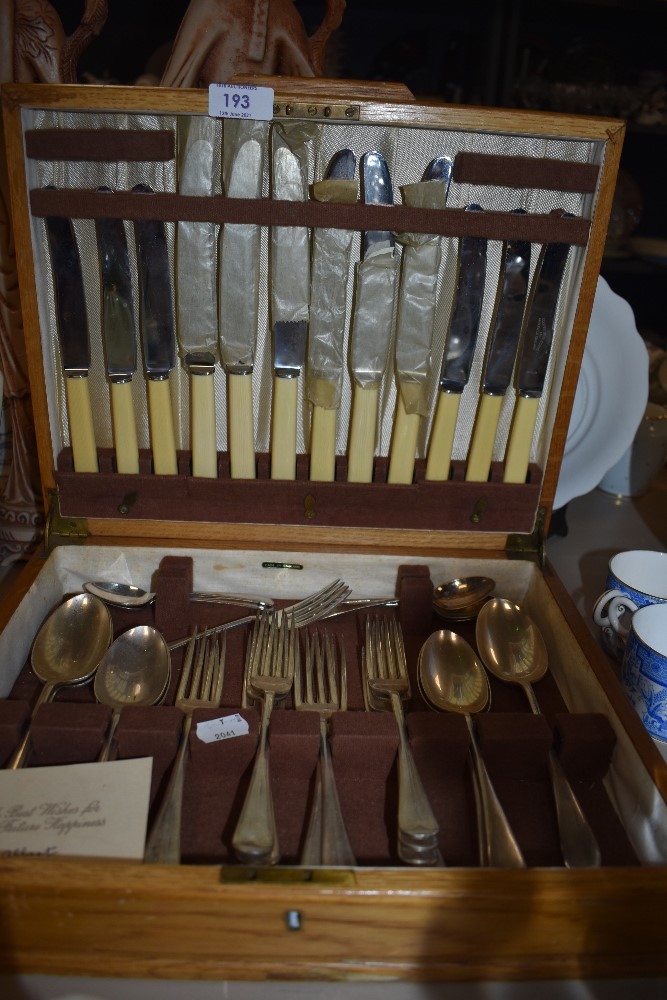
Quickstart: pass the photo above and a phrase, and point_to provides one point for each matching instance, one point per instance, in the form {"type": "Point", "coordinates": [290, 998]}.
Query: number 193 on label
{"type": "Point", "coordinates": [229, 100]}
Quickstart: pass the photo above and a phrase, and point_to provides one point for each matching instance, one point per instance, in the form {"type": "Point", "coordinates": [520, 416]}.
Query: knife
{"type": "Point", "coordinates": [72, 324]}
{"type": "Point", "coordinates": [501, 351]}
{"type": "Point", "coordinates": [535, 351]}
{"type": "Point", "coordinates": [290, 289]}
{"type": "Point", "coordinates": [371, 323]}
{"type": "Point", "coordinates": [460, 343]}
{"type": "Point", "coordinates": [120, 337]}
{"type": "Point", "coordinates": [239, 302]}
{"type": "Point", "coordinates": [196, 291]}
{"type": "Point", "coordinates": [328, 302]}
{"type": "Point", "coordinates": [157, 335]}
{"type": "Point", "coordinates": [416, 312]}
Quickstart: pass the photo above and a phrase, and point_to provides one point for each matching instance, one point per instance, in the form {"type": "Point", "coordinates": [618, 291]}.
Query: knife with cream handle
{"type": "Point", "coordinates": [501, 351]}
{"type": "Point", "coordinates": [416, 312]}
{"type": "Point", "coordinates": [371, 322]}
{"type": "Point", "coordinates": [239, 298]}
{"type": "Point", "coordinates": [72, 323]}
{"type": "Point", "coordinates": [328, 300]}
{"type": "Point", "coordinates": [157, 335]}
{"type": "Point", "coordinates": [290, 293]}
{"type": "Point", "coordinates": [460, 343]}
{"type": "Point", "coordinates": [120, 337]}
{"type": "Point", "coordinates": [538, 336]}
{"type": "Point", "coordinates": [196, 290]}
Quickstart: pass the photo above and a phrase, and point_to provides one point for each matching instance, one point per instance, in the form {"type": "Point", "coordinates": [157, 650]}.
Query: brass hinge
{"type": "Point", "coordinates": [317, 111]}
{"type": "Point", "coordinates": [60, 530]}
{"type": "Point", "coordinates": [532, 546]}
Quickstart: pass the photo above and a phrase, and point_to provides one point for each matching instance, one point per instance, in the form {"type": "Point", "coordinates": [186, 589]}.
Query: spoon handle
{"type": "Point", "coordinates": [498, 847]}
{"type": "Point", "coordinates": [578, 845]}
{"type": "Point", "coordinates": [20, 755]}
{"type": "Point", "coordinates": [415, 816]}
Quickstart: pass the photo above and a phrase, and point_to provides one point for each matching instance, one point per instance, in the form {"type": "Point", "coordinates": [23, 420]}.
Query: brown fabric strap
{"type": "Point", "coordinates": [99, 145]}
{"type": "Point", "coordinates": [169, 207]}
{"type": "Point", "coordinates": [525, 172]}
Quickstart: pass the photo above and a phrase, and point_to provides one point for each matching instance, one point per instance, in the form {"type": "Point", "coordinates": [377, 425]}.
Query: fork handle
{"type": "Point", "coordinates": [164, 842]}
{"type": "Point", "coordinates": [255, 839]}
{"type": "Point", "coordinates": [415, 816]}
{"type": "Point", "coordinates": [335, 846]}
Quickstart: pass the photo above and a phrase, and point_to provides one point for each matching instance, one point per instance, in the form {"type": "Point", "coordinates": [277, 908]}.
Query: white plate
{"type": "Point", "coordinates": [611, 396]}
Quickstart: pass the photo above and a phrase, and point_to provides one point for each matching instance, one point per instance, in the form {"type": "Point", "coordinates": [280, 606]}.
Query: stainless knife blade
{"type": "Point", "coordinates": [72, 324]}
{"type": "Point", "coordinates": [196, 291]}
{"type": "Point", "coordinates": [119, 336]}
{"type": "Point", "coordinates": [537, 338]}
{"type": "Point", "coordinates": [371, 322]}
{"type": "Point", "coordinates": [460, 343]}
{"type": "Point", "coordinates": [157, 334]}
{"type": "Point", "coordinates": [328, 303]}
{"type": "Point", "coordinates": [239, 301]}
{"type": "Point", "coordinates": [416, 314]}
{"type": "Point", "coordinates": [501, 351]}
{"type": "Point", "coordinates": [290, 294]}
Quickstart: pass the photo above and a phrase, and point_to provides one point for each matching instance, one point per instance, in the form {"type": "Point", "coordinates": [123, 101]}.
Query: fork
{"type": "Point", "coordinates": [387, 685]}
{"type": "Point", "coordinates": [255, 839]}
{"type": "Point", "coordinates": [323, 689]}
{"type": "Point", "coordinates": [199, 689]}
{"type": "Point", "coordinates": [304, 612]}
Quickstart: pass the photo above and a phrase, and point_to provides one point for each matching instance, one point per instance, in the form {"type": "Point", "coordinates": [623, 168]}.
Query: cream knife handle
{"type": "Point", "coordinates": [403, 444]}
{"type": "Point", "coordinates": [483, 438]}
{"type": "Point", "coordinates": [442, 436]}
{"type": "Point", "coordinates": [323, 444]}
{"type": "Point", "coordinates": [202, 422]}
{"type": "Point", "coordinates": [124, 428]}
{"type": "Point", "coordinates": [517, 456]}
{"type": "Point", "coordinates": [363, 428]}
{"type": "Point", "coordinates": [161, 419]}
{"type": "Point", "coordinates": [283, 428]}
{"type": "Point", "coordinates": [82, 435]}
{"type": "Point", "coordinates": [241, 427]}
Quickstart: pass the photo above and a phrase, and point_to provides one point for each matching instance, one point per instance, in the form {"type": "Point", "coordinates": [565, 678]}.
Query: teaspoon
{"type": "Point", "coordinates": [513, 649]}
{"type": "Point", "coordinates": [127, 595]}
{"type": "Point", "coordinates": [462, 598]}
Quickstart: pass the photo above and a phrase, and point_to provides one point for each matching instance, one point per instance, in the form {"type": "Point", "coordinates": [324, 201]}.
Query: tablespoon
{"type": "Point", "coordinates": [127, 595]}
{"type": "Point", "coordinates": [135, 670]}
{"type": "Point", "coordinates": [513, 649]}
{"type": "Point", "coordinates": [66, 650]}
{"type": "Point", "coordinates": [452, 679]}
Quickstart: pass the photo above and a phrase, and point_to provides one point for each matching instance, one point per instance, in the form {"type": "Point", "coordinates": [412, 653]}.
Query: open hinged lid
{"type": "Point", "coordinates": [64, 143]}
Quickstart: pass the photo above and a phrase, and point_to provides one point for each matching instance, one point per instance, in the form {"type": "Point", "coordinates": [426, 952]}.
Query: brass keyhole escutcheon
{"type": "Point", "coordinates": [478, 511]}
{"type": "Point", "coordinates": [309, 507]}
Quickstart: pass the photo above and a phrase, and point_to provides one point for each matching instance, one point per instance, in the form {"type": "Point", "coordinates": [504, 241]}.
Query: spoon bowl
{"type": "Point", "coordinates": [66, 651]}
{"type": "Point", "coordinates": [452, 679]}
{"type": "Point", "coordinates": [462, 599]}
{"type": "Point", "coordinates": [135, 670]}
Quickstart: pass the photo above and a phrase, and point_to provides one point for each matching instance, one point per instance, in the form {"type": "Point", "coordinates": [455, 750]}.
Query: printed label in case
{"type": "Point", "coordinates": [232, 100]}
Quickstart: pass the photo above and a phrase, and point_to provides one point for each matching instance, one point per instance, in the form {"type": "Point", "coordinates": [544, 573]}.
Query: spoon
{"type": "Point", "coordinates": [66, 650]}
{"type": "Point", "coordinates": [462, 598]}
{"type": "Point", "coordinates": [126, 595]}
{"type": "Point", "coordinates": [452, 679]}
{"type": "Point", "coordinates": [135, 670]}
{"type": "Point", "coordinates": [513, 649]}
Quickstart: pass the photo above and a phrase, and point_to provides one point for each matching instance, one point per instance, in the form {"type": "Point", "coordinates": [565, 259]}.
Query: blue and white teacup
{"type": "Point", "coordinates": [644, 670]}
{"type": "Point", "coordinates": [635, 579]}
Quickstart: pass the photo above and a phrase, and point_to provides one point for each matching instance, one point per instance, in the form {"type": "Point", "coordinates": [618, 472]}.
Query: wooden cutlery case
{"type": "Point", "coordinates": [177, 532]}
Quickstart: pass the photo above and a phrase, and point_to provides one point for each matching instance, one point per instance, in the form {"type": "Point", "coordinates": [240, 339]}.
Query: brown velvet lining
{"type": "Point", "coordinates": [450, 506]}
{"type": "Point", "coordinates": [514, 742]}
{"type": "Point", "coordinates": [525, 172]}
{"type": "Point", "coordinates": [100, 145]}
{"type": "Point", "coordinates": [169, 207]}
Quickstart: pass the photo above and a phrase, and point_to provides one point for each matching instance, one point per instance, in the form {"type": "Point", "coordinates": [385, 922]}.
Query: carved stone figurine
{"type": "Point", "coordinates": [33, 49]}
{"type": "Point", "coordinates": [218, 39]}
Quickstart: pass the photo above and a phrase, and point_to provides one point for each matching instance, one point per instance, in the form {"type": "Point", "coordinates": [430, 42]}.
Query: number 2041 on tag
{"type": "Point", "coordinates": [229, 100]}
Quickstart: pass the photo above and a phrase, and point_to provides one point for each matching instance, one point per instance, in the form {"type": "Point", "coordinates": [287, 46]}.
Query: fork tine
{"type": "Point", "coordinates": [331, 693]}
{"type": "Point", "coordinates": [187, 665]}
{"type": "Point", "coordinates": [343, 676]}
{"type": "Point", "coordinates": [220, 652]}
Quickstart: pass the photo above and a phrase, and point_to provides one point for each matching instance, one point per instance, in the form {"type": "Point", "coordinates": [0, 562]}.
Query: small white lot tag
{"type": "Point", "coordinates": [225, 728]}
{"type": "Point", "coordinates": [240, 100]}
